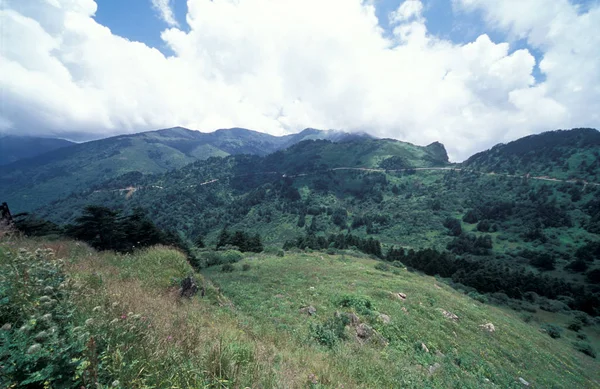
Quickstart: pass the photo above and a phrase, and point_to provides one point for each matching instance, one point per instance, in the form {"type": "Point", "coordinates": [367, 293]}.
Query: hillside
{"type": "Point", "coordinates": [498, 234]}
{"type": "Point", "coordinates": [562, 154]}
{"type": "Point", "coordinates": [14, 148]}
{"type": "Point", "coordinates": [127, 327]}
{"type": "Point", "coordinates": [35, 182]}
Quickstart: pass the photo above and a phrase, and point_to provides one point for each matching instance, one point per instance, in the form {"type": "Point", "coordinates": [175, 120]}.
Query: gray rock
{"type": "Point", "coordinates": [364, 331]}
{"type": "Point", "coordinates": [189, 287]}
{"type": "Point", "coordinates": [449, 315]}
{"type": "Point", "coordinates": [424, 347]}
{"type": "Point", "coordinates": [521, 380]}
{"type": "Point", "coordinates": [310, 310]}
{"type": "Point", "coordinates": [385, 319]}
{"type": "Point", "coordinates": [353, 319]}
{"type": "Point", "coordinates": [433, 368]}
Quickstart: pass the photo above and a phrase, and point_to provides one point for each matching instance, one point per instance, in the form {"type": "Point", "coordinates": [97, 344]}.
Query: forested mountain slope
{"type": "Point", "coordinates": [35, 182]}
{"type": "Point", "coordinates": [563, 154]}
{"type": "Point", "coordinates": [14, 148]}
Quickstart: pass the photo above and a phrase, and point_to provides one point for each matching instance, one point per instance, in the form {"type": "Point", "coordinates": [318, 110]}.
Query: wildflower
{"type": "Point", "coordinates": [34, 348]}
{"type": "Point", "coordinates": [89, 322]}
{"type": "Point", "coordinates": [169, 338]}
{"type": "Point", "coordinates": [123, 317]}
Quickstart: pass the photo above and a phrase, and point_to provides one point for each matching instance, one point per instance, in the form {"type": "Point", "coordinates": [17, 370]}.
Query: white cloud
{"type": "Point", "coordinates": [165, 11]}
{"type": "Point", "coordinates": [281, 66]}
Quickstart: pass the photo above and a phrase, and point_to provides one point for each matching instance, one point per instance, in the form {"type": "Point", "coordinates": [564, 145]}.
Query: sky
{"type": "Point", "coordinates": [467, 73]}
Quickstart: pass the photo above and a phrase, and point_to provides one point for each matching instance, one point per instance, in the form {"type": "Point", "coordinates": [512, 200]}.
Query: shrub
{"type": "Point", "coordinates": [478, 296]}
{"type": "Point", "coordinates": [330, 332]}
{"type": "Point", "coordinates": [39, 345]}
{"type": "Point", "coordinates": [245, 267]}
{"type": "Point", "coordinates": [553, 330]}
{"type": "Point", "coordinates": [360, 304]}
{"type": "Point", "coordinates": [227, 268]}
{"type": "Point", "coordinates": [280, 253]}
{"type": "Point", "coordinates": [382, 266]}
{"type": "Point", "coordinates": [585, 348]}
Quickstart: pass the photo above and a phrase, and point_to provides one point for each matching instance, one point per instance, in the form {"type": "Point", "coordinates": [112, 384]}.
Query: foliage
{"type": "Point", "coordinates": [331, 331]}
{"type": "Point", "coordinates": [242, 240]}
{"type": "Point", "coordinates": [585, 348]}
{"type": "Point", "coordinates": [40, 344]}
{"type": "Point", "coordinates": [553, 330]}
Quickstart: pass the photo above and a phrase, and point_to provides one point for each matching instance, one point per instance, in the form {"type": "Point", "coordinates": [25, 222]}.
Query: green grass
{"type": "Point", "coordinates": [249, 332]}
{"type": "Point", "coordinates": [274, 289]}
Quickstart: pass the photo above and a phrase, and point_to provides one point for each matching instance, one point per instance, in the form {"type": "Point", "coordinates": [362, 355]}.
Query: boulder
{"type": "Point", "coordinates": [385, 319]}
{"type": "Point", "coordinates": [522, 380]}
{"type": "Point", "coordinates": [399, 296]}
{"type": "Point", "coordinates": [364, 331]}
{"type": "Point", "coordinates": [310, 310]}
{"type": "Point", "coordinates": [189, 287]}
{"type": "Point", "coordinates": [433, 368]}
{"type": "Point", "coordinates": [489, 327]}
{"type": "Point", "coordinates": [353, 319]}
{"type": "Point", "coordinates": [424, 348]}
{"type": "Point", "coordinates": [449, 315]}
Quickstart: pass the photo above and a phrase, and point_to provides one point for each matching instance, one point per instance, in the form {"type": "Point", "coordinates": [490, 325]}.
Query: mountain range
{"type": "Point", "coordinates": [34, 182]}
{"type": "Point", "coordinates": [14, 148]}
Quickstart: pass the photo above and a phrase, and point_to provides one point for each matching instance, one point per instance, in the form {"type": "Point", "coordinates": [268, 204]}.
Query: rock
{"type": "Point", "coordinates": [424, 347]}
{"type": "Point", "coordinates": [433, 368]}
{"type": "Point", "coordinates": [489, 327]}
{"type": "Point", "coordinates": [279, 296]}
{"type": "Point", "coordinates": [364, 331]}
{"type": "Point", "coordinates": [439, 354]}
{"type": "Point", "coordinates": [521, 380]}
{"type": "Point", "coordinates": [449, 315]}
{"type": "Point", "coordinates": [399, 296]}
{"type": "Point", "coordinates": [310, 310]}
{"type": "Point", "coordinates": [437, 286]}
{"type": "Point", "coordinates": [405, 310]}
{"type": "Point", "coordinates": [385, 319]}
{"type": "Point", "coordinates": [353, 319]}
{"type": "Point", "coordinates": [189, 287]}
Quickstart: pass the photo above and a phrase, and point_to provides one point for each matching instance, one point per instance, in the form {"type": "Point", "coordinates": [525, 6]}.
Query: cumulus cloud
{"type": "Point", "coordinates": [165, 11]}
{"type": "Point", "coordinates": [281, 66]}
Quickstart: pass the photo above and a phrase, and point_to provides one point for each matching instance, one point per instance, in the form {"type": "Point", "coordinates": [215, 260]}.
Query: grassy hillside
{"type": "Point", "coordinates": [36, 182]}
{"type": "Point", "coordinates": [14, 148]}
{"type": "Point", "coordinates": [572, 154]}
{"type": "Point", "coordinates": [127, 327]}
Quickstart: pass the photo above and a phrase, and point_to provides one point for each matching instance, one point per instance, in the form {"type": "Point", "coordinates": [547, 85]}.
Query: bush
{"type": "Point", "coordinates": [280, 253]}
{"type": "Point", "coordinates": [553, 330]}
{"type": "Point", "coordinates": [478, 296]}
{"type": "Point", "coordinates": [585, 348]}
{"type": "Point", "coordinates": [245, 267]}
{"type": "Point", "coordinates": [40, 344]}
{"type": "Point", "coordinates": [382, 266]}
{"type": "Point", "coordinates": [227, 268]}
{"type": "Point", "coordinates": [360, 304]}
{"type": "Point", "coordinates": [330, 332]}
